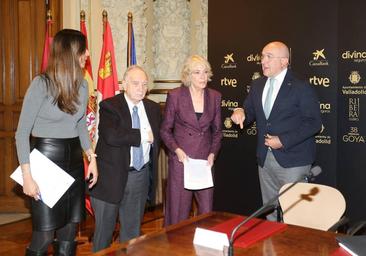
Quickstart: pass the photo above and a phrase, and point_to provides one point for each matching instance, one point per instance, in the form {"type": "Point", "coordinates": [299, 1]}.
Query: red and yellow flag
{"type": "Point", "coordinates": [107, 72]}
{"type": "Point", "coordinates": [91, 108]}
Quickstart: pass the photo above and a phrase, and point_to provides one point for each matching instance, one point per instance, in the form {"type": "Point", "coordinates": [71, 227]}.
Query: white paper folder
{"type": "Point", "coordinates": [51, 179]}
{"type": "Point", "coordinates": [197, 174]}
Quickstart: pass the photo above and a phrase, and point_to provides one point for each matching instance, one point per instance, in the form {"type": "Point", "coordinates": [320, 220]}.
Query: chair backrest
{"type": "Point", "coordinates": [312, 205]}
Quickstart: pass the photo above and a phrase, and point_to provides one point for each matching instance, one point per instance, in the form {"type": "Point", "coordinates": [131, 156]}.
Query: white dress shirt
{"type": "Point", "coordinates": [276, 87]}
{"type": "Point", "coordinates": [144, 129]}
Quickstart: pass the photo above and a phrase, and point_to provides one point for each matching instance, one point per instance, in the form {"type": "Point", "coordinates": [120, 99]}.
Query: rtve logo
{"type": "Point", "coordinates": [229, 82]}
{"type": "Point", "coordinates": [322, 81]}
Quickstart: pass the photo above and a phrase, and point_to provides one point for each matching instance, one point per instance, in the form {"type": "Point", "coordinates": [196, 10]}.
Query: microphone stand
{"type": "Point", "coordinates": [261, 210]}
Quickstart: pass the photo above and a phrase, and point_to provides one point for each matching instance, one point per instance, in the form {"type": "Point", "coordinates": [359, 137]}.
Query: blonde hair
{"type": "Point", "coordinates": [190, 63]}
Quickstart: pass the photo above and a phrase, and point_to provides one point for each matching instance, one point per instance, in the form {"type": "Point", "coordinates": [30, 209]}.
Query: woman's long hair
{"type": "Point", "coordinates": [64, 74]}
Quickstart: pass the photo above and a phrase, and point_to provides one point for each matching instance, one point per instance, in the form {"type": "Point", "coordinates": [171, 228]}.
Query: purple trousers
{"type": "Point", "coordinates": [179, 200]}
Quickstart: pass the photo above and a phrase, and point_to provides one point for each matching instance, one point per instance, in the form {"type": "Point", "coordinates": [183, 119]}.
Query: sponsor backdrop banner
{"type": "Point", "coordinates": [325, 40]}
{"type": "Point", "coordinates": [351, 165]}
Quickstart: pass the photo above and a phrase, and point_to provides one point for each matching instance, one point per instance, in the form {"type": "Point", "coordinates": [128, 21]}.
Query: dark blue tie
{"type": "Point", "coordinates": [137, 154]}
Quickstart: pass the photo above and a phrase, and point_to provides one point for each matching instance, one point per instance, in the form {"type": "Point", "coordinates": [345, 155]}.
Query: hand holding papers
{"type": "Point", "coordinates": [51, 179]}
{"type": "Point", "coordinates": [197, 174]}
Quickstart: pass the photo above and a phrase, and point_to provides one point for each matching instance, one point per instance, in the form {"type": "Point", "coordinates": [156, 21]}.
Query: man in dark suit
{"type": "Point", "coordinates": [287, 113]}
{"type": "Point", "coordinates": [127, 151]}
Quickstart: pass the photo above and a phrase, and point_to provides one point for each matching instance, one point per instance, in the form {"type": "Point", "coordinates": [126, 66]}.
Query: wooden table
{"type": "Point", "coordinates": [178, 240]}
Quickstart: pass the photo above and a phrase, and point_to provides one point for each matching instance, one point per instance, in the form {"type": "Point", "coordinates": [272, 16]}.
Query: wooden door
{"type": "Point", "coordinates": [22, 24]}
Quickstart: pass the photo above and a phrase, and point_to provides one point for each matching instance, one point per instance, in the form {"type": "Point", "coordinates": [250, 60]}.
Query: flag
{"type": "Point", "coordinates": [47, 45]}
{"type": "Point", "coordinates": [91, 108]}
{"type": "Point", "coordinates": [131, 51]}
{"type": "Point", "coordinates": [107, 72]}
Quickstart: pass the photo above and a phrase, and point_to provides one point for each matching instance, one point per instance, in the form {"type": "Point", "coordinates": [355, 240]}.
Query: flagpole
{"type": "Point", "coordinates": [47, 41]}
{"type": "Point", "coordinates": [129, 41]}
{"type": "Point", "coordinates": [105, 19]}
{"type": "Point", "coordinates": [49, 24]}
{"type": "Point", "coordinates": [82, 16]}
{"type": "Point", "coordinates": [107, 83]}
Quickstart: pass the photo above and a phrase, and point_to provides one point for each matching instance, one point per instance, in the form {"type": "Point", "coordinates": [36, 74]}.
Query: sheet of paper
{"type": "Point", "coordinates": [51, 179]}
{"type": "Point", "coordinates": [197, 174]}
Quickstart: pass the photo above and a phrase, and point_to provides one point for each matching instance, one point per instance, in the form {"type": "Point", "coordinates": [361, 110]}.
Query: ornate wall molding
{"type": "Point", "coordinates": [117, 16]}
{"type": "Point", "coordinates": [166, 32]}
{"type": "Point", "coordinates": [171, 38]}
{"type": "Point", "coordinates": [201, 29]}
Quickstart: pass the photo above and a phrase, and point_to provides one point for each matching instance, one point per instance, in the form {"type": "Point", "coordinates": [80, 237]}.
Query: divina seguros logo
{"type": "Point", "coordinates": [229, 104]}
{"type": "Point", "coordinates": [325, 108]}
{"type": "Point", "coordinates": [254, 57]}
{"type": "Point", "coordinates": [355, 56]}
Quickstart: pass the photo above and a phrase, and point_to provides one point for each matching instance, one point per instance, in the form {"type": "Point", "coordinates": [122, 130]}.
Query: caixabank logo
{"type": "Point", "coordinates": [354, 109]}
{"type": "Point", "coordinates": [353, 136]}
{"type": "Point", "coordinates": [355, 87]}
{"type": "Point", "coordinates": [319, 58]}
{"type": "Point", "coordinates": [229, 62]}
{"type": "Point", "coordinates": [322, 137]}
{"type": "Point", "coordinates": [355, 56]}
{"type": "Point", "coordinates": [228, 131]}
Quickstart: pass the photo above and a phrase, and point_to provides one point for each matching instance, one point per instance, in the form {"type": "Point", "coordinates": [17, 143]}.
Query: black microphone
{"type": "Point", "coordinates": [314, 171]}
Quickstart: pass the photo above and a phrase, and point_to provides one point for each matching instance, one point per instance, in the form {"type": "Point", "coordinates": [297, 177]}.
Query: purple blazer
{"type": "Point", "coordinates": [180, 127]}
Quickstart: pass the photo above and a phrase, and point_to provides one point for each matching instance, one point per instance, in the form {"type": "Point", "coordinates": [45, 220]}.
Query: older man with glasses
{"type": "Point", "coordinates": [127, 150]}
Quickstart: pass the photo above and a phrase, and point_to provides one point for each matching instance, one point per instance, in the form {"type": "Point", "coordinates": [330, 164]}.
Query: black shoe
{"type": "Point", "coordinates": [64, 248]}
{"type": "Point", "coordinates": [29, 252]}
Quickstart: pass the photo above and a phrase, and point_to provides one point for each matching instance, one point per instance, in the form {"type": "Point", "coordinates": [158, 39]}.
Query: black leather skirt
{"type": "Point", "coordinates": [67, 154]}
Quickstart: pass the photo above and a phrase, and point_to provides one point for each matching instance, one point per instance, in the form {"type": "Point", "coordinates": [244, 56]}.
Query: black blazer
{"type": "Point", "coordinates": [295, 118]}
{"type": "Point", "coordinates": [116, 137]}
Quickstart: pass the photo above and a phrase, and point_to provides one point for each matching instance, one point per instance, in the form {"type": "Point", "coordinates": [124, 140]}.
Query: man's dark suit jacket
{"type": "Point", "coordinates": [116, 137]}
{"type": "Point", "coordinates": [295, 119]}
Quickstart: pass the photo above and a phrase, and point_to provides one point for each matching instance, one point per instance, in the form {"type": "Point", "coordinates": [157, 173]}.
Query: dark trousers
{"type": "Point", "coordinates": [130, 211]}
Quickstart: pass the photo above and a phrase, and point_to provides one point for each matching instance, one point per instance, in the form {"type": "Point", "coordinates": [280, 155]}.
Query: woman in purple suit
{"type": "Point", "coordinates": [191, 129]}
